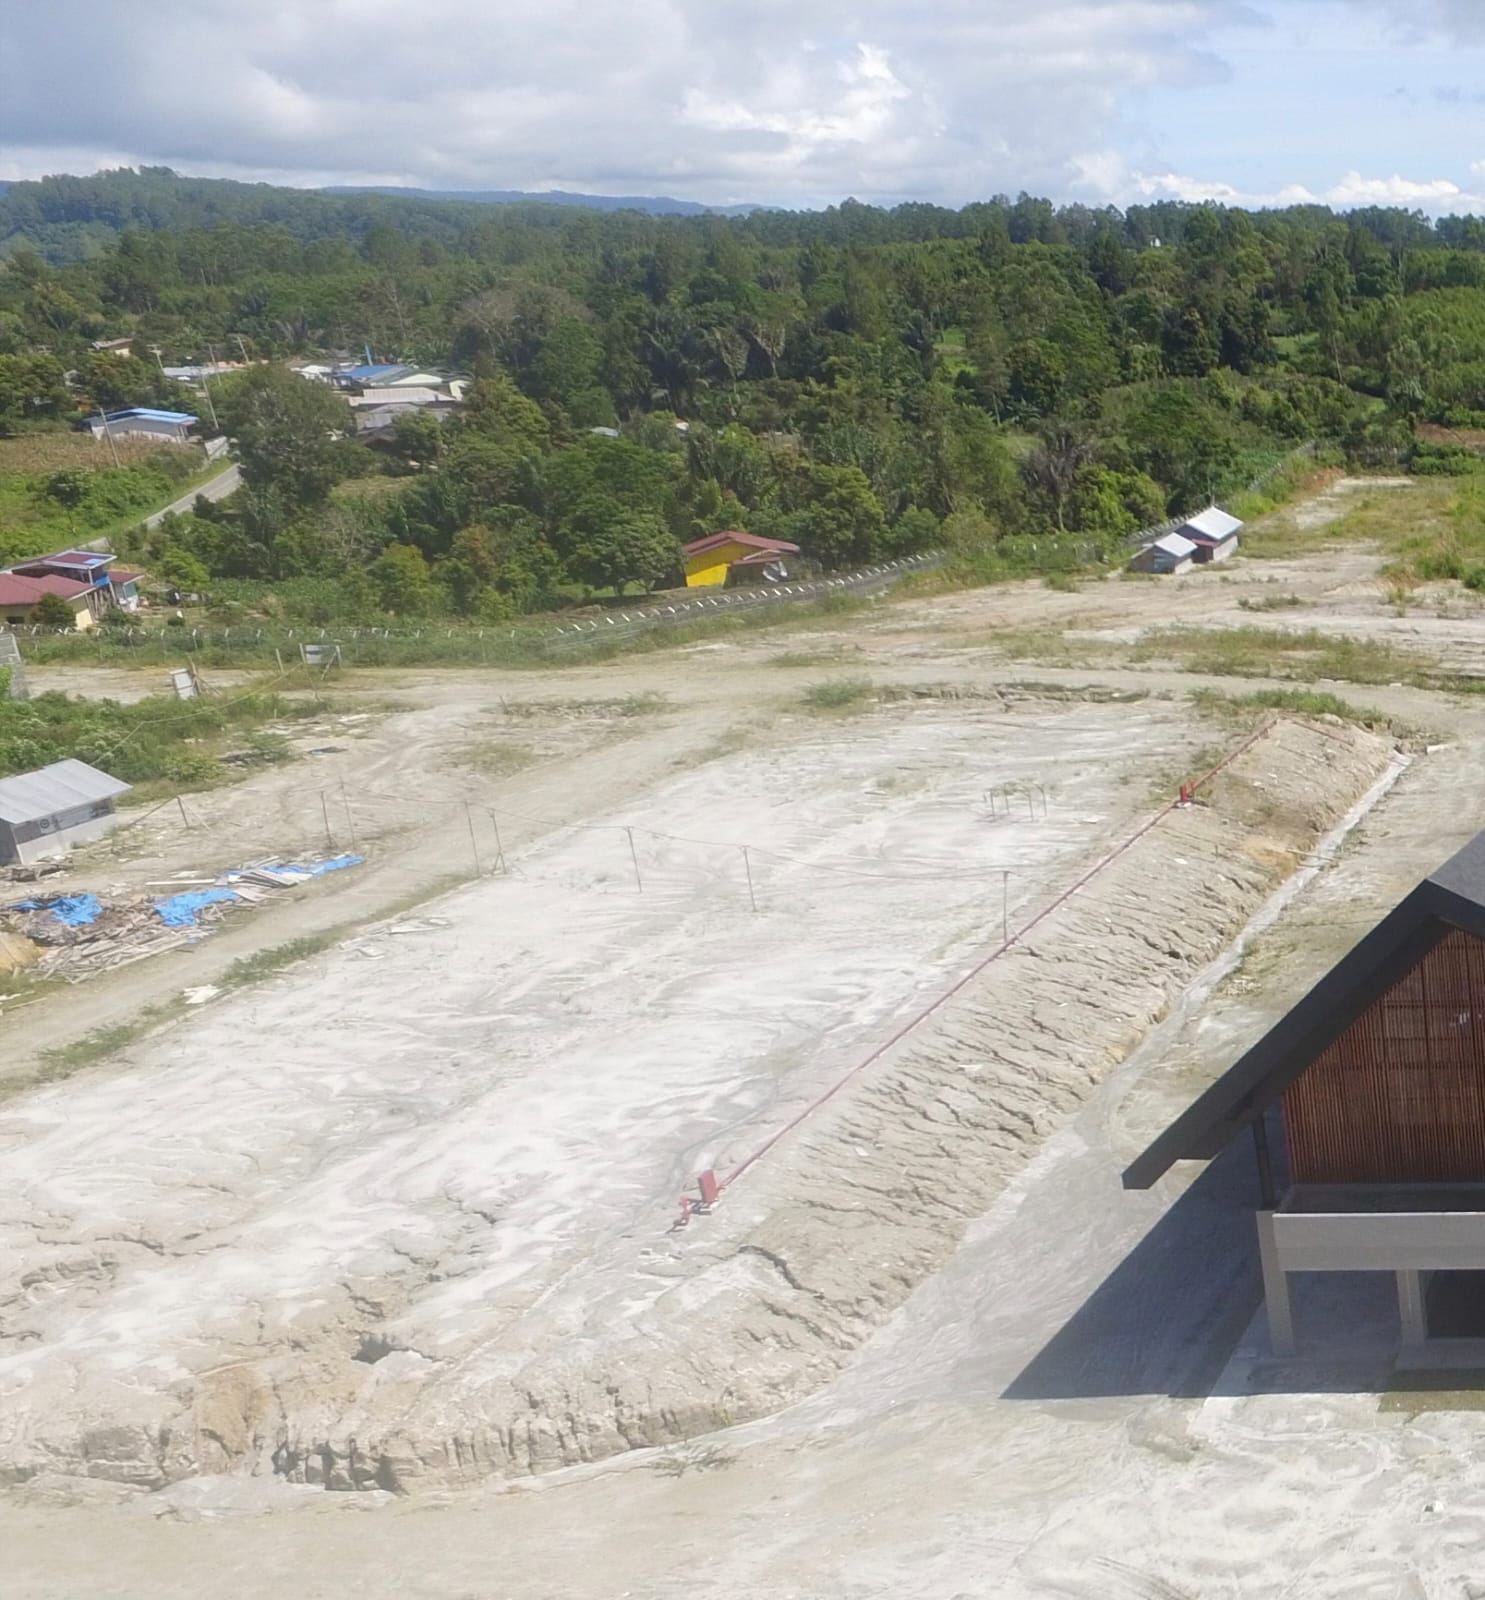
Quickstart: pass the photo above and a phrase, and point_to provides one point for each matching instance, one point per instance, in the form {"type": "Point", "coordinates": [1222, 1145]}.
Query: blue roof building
{"type": "Point", "coordinates": [148, 422]}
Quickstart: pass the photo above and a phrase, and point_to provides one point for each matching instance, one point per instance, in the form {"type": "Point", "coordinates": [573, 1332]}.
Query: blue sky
{"type": "Point", "coordinates": [793, 102]}
{"type": "Point", "coordinates": [1305, 93]}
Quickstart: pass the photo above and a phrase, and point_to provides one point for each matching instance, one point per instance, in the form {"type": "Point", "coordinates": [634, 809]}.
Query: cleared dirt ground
{"type": "Point", "coordinates": [418, 1188]}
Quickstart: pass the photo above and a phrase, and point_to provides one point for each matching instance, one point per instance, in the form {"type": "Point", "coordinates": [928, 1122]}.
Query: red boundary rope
{"type": "Point", "coordinates": [974, 972]}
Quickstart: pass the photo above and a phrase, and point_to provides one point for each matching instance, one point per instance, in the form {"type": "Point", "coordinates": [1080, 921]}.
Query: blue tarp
{"type": "Point", "coordinates": [179, 910]}
{"type": "Point", "coordinates": [72, 910]}
{"type": "Point", "coordinates": [77, 910]}
{"type": "Point", "coordinates": [336, 864]}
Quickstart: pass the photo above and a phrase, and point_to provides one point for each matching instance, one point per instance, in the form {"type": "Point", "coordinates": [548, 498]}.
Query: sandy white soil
{"type": "Point", "coordinates": [1004, 1376]}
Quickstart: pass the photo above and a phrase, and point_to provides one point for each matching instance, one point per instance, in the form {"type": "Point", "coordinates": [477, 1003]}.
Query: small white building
{"type": "Point", "coordinates": [1214, 533]}
{"type": "Point", "coordinates": [44, 813]}
{"type": "Point", "coordinates": [1169, 554]}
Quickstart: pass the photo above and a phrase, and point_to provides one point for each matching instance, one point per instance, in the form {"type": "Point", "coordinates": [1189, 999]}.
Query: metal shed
{"type": "Point", "coordinates": [43, 813]}
{"type": "Point", "coordinates": [1170, 554]}
{"type": "Point", "coordinates": [1214, 532]}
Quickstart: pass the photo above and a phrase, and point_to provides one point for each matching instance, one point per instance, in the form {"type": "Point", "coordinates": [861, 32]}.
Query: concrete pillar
{"type": "Point", "coordinates": [1410, 1308]}
{"type": "Point", "coordinates": [1275, 1288]}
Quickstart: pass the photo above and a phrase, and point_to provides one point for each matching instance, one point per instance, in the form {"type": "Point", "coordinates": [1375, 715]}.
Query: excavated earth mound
{"type": "Point", "coordinates": [659, 1337]}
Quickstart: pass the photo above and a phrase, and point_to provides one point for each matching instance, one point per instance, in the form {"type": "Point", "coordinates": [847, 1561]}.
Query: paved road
{"type": "Point", "coordinates": [217, 488]}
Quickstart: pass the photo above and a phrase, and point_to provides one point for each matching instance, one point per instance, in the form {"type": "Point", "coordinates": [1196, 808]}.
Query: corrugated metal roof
{"type": "Point", "coordinates": [378, 372]}
{"type": "Point", "coordinates": [59, 787]}
{"type": "Point", "coordinates": [1212, 524]}
{"type": "Point", "coordinates": [16, 589]}
{"type": "Point", "coordinates": [1174, 545]}
{"type": "Point", "coordinates": [151, 414]}
{"type": "Point", "coordinates": [749, 541]}
{"type": "Point", "coordinates": [392, 394]}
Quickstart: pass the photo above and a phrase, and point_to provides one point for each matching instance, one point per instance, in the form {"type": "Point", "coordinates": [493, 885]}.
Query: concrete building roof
{"type": "Point", "coordinates": [1211, 526]}
{"type": "Point", "coordinates": [63, 785]}
{"type": "Point", "coordinates": [1452, 897]}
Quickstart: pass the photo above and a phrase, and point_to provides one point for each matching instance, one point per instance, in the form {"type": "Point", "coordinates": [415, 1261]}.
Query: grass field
{"type": "Point", "coordinates": [116, 492]}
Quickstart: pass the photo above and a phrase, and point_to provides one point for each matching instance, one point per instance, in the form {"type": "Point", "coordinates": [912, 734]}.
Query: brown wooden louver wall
{"type": "Point", "coordinates": [1400, 1096]}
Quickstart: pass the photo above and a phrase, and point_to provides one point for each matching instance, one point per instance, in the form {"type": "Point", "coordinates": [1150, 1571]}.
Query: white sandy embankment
{"type": "Point", "coordinates": [327, 1234]}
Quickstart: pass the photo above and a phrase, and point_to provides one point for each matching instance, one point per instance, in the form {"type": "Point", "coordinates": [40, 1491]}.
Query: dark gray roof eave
{"type": "Point", "coordinates": [1453, 897]}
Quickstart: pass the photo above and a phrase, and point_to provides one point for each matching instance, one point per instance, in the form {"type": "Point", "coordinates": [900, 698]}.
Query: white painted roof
{"type": "Point", "coordinates": [29, 796]}
{"type": "Point", "coordinates": [1212, 523]}
{"type": "Point", "coordinates": [1173, 544]}
{"type": "Point", "coordinates": [387, 394]}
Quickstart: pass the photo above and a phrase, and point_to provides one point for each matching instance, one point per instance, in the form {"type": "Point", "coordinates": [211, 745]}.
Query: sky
{"type": "Point", "coordinates": [781, 102]}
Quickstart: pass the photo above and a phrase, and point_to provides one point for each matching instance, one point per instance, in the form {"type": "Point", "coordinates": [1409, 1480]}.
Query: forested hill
{"type": "Point", "coordinates": [1013, 381]}
{"type": "Point", "coordinates": [72, 218]}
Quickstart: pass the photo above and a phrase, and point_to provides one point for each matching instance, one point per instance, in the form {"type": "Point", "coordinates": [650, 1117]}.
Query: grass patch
{"type": "Point", "coordinates": [1391, 520]}
{"type": "Point", "coordinates": [497, 758]}
{"type": "Point", "coordinates": [838, 694]}
{"type": "Point", "coordinates": [532, 644]}
{"type": "Point", "coordinates": [630, 705]}
{"type": "Point", "coordinates": [1246, 710]}
{"type": "Point", "coordinates": [157, 739]}
{"type": "Point", "coordinates": [806, 658]}
{"type": "Point", "coordinates": [65, 1059]}
{"type": "Point", "coordinates": [1270, 602]}
{"type": "Point", "coordinates": [1048, 646]}
{"type": "Point", "coordinates": [1252, 652]}
{"type": "Point", "coordinates": [104, 499]}
{"type": "Point", "coordinates": [265, 963]}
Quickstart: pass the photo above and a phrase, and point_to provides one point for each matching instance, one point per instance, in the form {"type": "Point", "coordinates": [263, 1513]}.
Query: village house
{"type": "Point", "coordinates": [735, 557]}
{"type": "Point", "coordinates": [1366, 1107]}
{"type": "Point", "coordinates": [85, 579]}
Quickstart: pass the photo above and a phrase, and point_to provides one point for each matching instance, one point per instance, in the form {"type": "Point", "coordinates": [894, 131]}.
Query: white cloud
{"type": "Point", "coordinates": [802, 101]}
{"type": "Point", "coordinates": [791, 101]}
{"type": "Point", "coordinates": [1107, 175]}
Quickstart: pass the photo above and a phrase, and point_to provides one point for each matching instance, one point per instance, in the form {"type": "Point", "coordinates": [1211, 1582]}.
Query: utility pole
{"type": "Point", "coordinates": [113, 449]}
{"type": "Point", "coordinates": [206, 387]}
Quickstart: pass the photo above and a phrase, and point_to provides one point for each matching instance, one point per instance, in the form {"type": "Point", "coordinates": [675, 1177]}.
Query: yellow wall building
{"type": "Point", "coordinates": [710, 560]}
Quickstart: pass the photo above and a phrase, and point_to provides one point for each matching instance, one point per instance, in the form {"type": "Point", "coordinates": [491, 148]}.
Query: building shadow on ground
{"type": "Point", "coordinates": [1180, 1315]}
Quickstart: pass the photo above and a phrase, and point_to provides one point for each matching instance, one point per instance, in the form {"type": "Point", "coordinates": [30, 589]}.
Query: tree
{"type": "Point", "coordinates": [1053, 466]}
{"type": "Point", "coordinates": [287, 433]}
{"type": "Point", "coordinates": [52, 611]}
{"type": "Point", "coordinates": [496, 409]}
{"type": "Point", "coordinates": [403, 582]}
{"type": "Point", "coordinates": [631, 547]}
{"type": "Point", "coordinates": [843, 517]}
{"type": "Point", "coordinates": [182, 570]}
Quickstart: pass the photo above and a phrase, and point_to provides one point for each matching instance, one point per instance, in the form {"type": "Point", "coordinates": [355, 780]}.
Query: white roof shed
{"type": "Point", "coordinates": [50, 791]}
{"type": "Point", "coordinates": [1211, 524]}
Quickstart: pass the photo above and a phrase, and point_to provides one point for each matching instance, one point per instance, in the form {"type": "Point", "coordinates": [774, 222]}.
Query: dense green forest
{"type": "Point", "coordinates": [1019, 383]}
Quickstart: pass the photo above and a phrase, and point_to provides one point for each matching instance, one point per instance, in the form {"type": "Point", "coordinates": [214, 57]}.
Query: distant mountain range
{"type": "Point", "coordinates": [656, 205]}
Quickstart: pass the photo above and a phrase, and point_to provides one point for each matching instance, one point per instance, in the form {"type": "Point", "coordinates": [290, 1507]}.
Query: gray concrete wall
{"type": "Point", "coordinates": [1416, 1241]}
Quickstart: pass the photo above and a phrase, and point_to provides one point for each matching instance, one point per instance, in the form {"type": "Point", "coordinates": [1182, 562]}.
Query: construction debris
{"type": "Point", "coordinates": [78, 936]}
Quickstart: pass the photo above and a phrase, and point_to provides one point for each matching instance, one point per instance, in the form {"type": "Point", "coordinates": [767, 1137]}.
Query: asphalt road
{"type": "Point", "coordinates": [226, 482]}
